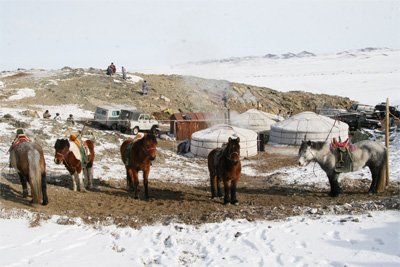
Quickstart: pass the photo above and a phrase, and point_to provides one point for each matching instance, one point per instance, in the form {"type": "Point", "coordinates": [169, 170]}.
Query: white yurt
{"type": "Point", "coordinates": [254, 119]}
{"type": "Point", "coordinates": [204, 141]}
{"type": "Point", "coordinates": [307, 126]}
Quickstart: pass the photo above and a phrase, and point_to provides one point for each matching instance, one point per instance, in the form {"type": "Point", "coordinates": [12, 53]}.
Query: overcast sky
{"type": "Point", "coordinates": [147, 33]}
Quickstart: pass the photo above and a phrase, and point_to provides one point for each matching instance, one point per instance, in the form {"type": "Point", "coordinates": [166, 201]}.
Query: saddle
{"type": "Point", "coordinates": [342, 151]}
{"type": "Point", "coordinates": [84, 150]}
{"type": "Point", "coordinates": [217, 157]}
{"type": "Point", "coordinates": [128, 149]}
{"type": "Point", "coordinates": [21, 138]}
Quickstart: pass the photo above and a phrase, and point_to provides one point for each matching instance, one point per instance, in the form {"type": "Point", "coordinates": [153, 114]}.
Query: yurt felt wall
{"type": "Point", "coordinates": [204, 141]}
{"type": "Point", "coordinates": [256, 120]}
{"type": "Point", "coordinates": [307, 126]}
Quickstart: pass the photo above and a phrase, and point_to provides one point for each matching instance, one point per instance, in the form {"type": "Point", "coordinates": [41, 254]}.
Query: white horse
{"type": "Point", "coordinates": [365, 153]}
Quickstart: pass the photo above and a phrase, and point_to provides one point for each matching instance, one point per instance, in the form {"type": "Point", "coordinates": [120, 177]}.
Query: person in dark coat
{"type": "Point", "coordinates": [123, 72]}
{"type": "Point", "coordinates": [114, 69]}
{"type": "Point", "coordinates": [144, 88]}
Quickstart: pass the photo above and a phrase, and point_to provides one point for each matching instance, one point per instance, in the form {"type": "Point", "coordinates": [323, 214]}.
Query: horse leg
{"type": "Point", "coordinates": [24, 184]}
{"type": "Point", "coordinates": [146, 183]}
{"type": "Point", "coordinates": [213, 185]}
{"type": "Point", "coordinates": [90, 177]}
{"type": "Point", "coordinates": [335, 187]}
{"type": "Point", "coordinates": [227, 187]}
{"type": "Point", "coordinates": [234, 200]}
{"type": "Point", "coordinates": [45, 199]}
{"type": "Point", "coordinates": [129, 184]}
{"type": "Point", "coordinates": [135, 183]}
{"type": "Point", "coordinates": [80, 181]}
{"type": "Point", "coordinates": [219, 189]}
{"type": "Point", "coordinates": [73, 176]}
{"type": "Point", "coordinates": [375, 178]}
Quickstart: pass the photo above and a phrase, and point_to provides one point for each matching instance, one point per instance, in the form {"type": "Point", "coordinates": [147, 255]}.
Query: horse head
{"type": "Point", "coordinates": [233, 149]}
{"type": "Point", "coordinates": [307, 151]}
{"type": "Point", "coordinates": [150, 146]}
{"type": "Point", "coordinates": [62, 148]}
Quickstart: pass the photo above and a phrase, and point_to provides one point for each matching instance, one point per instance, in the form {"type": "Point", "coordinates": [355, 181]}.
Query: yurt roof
{"type": "Point", "coordinates": [206, 140]}
{"type": "Point", "coordinates": [256, 120]}
{"type": "Point", "coordinates": [310, 122]}
{"type": "Point", "coordinates": [309, 126]}
{"type": "Point", "coordinates": [222, 132]}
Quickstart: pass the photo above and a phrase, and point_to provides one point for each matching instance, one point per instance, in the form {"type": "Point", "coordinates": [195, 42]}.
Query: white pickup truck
{"type": "Point", "coordinates": [135, 121]}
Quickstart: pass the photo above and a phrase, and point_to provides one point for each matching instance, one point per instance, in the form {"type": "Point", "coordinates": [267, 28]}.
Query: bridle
{"type": "Point", "coordinates": [229, 155]}
{"type": "Point", "coordinates": [148, 151]}
{"type": "Point", "coordinates": [63, 159]}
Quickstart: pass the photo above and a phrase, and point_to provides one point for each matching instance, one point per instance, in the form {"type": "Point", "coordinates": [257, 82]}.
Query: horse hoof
{"type": "Point", "coordinates": [44, 203]}
{"type": "Point", "coordinates": [235, 202]}
{"type": "Point", "coordinates": [334, 194]}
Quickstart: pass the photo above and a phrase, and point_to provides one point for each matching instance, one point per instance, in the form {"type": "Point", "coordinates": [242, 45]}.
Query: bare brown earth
{"type": "Point", "coordinates": [110, 203]}
{"type": "Point", "coordinates": [260, 198]}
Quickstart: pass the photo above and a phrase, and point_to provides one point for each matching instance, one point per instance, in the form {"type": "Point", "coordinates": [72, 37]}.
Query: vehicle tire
{"type": "Point", "coordinates": [114, 126]}
{"type": "Point", "coordinates": [135, 130]}
{"type": "Point", "coordinates": [154, 130]}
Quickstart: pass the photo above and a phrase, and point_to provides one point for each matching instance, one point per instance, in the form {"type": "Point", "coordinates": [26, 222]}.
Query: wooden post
{"type": "Point", "coordinates": [387, 140]}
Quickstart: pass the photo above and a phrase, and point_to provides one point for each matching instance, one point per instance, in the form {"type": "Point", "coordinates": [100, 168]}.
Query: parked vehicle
{"type": "Point", "coordinates": [108, 116]}
{"type": "Point", "coordinates": [135, 121]}
{"type": "Point", "coordinates": [366, 109]}
{"type": "Point", "coordinates": [380, 111]}
{"type": "Point", "coordinates": [358, 121]}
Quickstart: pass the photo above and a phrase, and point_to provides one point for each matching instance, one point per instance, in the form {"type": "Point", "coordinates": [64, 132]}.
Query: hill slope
{"type": "Point", "coordinates": [91, 87]}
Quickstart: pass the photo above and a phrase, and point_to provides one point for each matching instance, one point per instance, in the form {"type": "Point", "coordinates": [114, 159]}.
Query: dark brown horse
{"type": "Point", "coordinates": [224, 165]}
{"type": "Point", "coordinates": [137, 155]}
{"type": "Point", "coordinates": [27, 158]}
{"type": "Point", "coordinates": [78, 159]}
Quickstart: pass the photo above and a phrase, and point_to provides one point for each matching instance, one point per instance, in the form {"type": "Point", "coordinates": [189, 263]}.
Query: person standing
{"type": "Point", "coordinates": [57, 117]}
{"type": "Point", "coordinates": [113, 68]}
{"type": "Point", "coordinates": [225, 99]}
{"type": "Point", "coordinates": [123, 72]}
{"type": "Point", "coordinates": [144, 88]}
{"type": "Point", "coordinates": [70, 120]}
{"type": "Point", "coordinates": [46, 115]}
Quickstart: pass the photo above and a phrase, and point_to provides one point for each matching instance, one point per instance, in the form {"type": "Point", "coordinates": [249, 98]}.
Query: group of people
{"type": "Point", "coordinates": [112, 69]}
{"type": "Point", "coordinates": [57, 117]}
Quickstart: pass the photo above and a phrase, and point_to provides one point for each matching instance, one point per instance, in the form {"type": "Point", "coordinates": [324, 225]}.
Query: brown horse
{"type": "Point", "coordinates": [78, 159]}
{"type": "Point", "coordinates": [224, 164]}
{"type": "Point", "coordinates": [137, 155]}
{"type": "Point", "coordinates": [28, 159]}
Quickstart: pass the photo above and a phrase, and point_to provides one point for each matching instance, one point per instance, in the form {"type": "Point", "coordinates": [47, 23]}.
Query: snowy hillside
{"type": "Point", "coordinates": [367, 75]}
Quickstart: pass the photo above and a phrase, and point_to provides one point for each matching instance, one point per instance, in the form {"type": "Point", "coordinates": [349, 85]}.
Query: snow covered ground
{"type": "Point", "coordinates": [368, 75]}
{"type": "Point", "coordinates": [371, 239]}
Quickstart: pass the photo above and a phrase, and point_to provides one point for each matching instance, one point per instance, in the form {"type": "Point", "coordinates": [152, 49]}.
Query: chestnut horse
{"type": "Point", "coordinates": [28, 159]}
{"type": "Point", "coordinates": [137, 155]}
{"type": "Point", "coordinates": [224, 164]}
{"type": "Point", "coordinates": [78, 159]}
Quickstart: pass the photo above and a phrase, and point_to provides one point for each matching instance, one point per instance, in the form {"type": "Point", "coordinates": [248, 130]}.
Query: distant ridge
{"type": "Point", "coordinates": [303, 54]}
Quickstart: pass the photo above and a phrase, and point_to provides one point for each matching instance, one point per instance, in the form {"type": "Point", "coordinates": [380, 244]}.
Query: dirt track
{"type": "Point", "coordinates": [260, 198]}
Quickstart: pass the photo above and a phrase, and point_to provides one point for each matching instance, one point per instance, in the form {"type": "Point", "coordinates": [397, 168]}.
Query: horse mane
{"type": "Point", "coordinates": [318, 145]}
{"type": "Point", "coordinates": [151, 137]}
{"type": "Point", "coordinates": [58, 143]}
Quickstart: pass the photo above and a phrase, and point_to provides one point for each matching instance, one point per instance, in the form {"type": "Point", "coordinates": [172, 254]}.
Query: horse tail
{"type": "Point", "coordinates": [383, 175]}
{"type": "Point", "coordinates": [35, 176]}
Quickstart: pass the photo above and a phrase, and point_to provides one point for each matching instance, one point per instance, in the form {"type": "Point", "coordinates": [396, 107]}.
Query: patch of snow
{"type": "Point", "coordinates": [344, 240]}
{"type": "Point", "coordinates": [22, 93]}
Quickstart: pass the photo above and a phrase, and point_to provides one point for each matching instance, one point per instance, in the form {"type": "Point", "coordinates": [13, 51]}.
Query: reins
{"type": "Point", "coordinates": [63, 159]}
